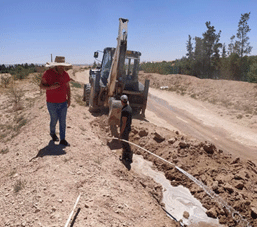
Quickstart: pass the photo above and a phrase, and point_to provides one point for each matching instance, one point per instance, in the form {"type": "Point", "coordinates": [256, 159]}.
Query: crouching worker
{"type": "Point", "coordinates": [125, 128]}
{"type": "Point", "coordinates": [56, 83]}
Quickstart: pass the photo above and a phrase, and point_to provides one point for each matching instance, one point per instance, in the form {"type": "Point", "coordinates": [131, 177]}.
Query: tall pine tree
{"type": "Point", "coordinates": [243, 28]}
{"type": "Point", "coordinates": [189, 48]}
{"type": "Point", "coordinates": [211, 47]}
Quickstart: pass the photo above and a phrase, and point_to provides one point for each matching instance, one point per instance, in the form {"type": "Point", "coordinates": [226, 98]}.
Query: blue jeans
{"type": "Point", "coordinates": [58, 111]}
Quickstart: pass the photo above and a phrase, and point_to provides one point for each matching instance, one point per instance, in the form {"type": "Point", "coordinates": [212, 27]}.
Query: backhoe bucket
{"type": "Point", "coordinates": [114, 111]}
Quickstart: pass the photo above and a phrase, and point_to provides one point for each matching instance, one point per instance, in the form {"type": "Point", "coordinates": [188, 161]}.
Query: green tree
{"type": "Point", "coordinates": [211, 47]}
{"type": "Point", "coordinates": [224, 52]}
{"type": "Point", "coordinates": [3, 69]}
{"type": "Point", "coordinates": [233, 66]}
{"type": "Point", "coordinates": [189, 48]}
{"type": "Point", "coordinates": [94, 65]}
{"type": "Point", "coordinates": [187, 63]}
{"type": "Point", "coordinates": [216, 57]}
{"type": "Point", "coordinates": [223, 68]}
{"type": "Point", "coordinates": [243, 28]}
{"type": "Point", "coordinates": [233, 46]}
{"type": "Point", "coordinates": [252, 74]}
{"type": "Point", "coordinates": [199, 55]}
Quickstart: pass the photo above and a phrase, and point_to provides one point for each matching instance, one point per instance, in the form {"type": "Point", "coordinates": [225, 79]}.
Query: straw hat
{"type": "Point", "coordinates": [59, 61]}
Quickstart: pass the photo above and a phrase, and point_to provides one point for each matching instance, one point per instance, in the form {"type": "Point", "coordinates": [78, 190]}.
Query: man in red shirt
{"type": "Point", "coordinates": [56, 83]}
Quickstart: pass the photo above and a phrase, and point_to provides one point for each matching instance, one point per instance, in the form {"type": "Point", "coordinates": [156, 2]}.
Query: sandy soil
{"type": "Point", "coordinates": [79, 75]}
{"type": "Point", "coordinates": [42, 180]}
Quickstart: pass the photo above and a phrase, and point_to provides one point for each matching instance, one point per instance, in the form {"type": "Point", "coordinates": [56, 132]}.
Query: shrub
{"type": "Point", "coordinates": [15, 97]}
{"type": "Point", "coordinates": [75, 84]}
{"type": "Point", "coordinates": [19, 185]}
{"type": "Point", "coordinates": [20, 73]}
{"type": "Point", "coordinates": [252, 74]}
{"type": "Point", "coordinates": [160, 67]}
{"type": "Point", "coordinates": [4, 151]}
{"type": "Point", "coordinates": [79, 100]}
{"type": "Point", "coordinates": [5, 80]}
{"type": "Point", "coordinates": [37, 79]}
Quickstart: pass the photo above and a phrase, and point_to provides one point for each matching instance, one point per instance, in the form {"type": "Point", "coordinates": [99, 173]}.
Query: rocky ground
{"type": "Point", "coordinates": [229, 181]}
{"type": "Point", "coordinates": [40, 180]}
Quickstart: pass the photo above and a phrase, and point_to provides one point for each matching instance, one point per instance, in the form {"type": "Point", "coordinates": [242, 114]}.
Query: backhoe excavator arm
{"type": "Point", "coordinates": [115, 84]}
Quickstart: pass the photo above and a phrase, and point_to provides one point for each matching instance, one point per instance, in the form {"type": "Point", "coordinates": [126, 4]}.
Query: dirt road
{"type": "Point", "coordinates": [81, 76]}
{"type": "Point", "coordinates": [196, 119]}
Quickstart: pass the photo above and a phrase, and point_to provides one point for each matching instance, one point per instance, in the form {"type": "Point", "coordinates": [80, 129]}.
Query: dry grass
{"type": "Point", "coordinates": [193, 96]}
{"type": "Point", "coordinates": [98, 160]}
{"type": "Point", "coordinates": [239, 116]}
{"type": "Point", "coordinates": [12, 129]}
{"type": "Point", "coordinates": [12, 173]}
{"type": "Point", "coordinates": [15, 97]}
{"type": "Point", "coordinates": [76, 84]}
{"type": "Point", "coordinates": [13, 110]}
{"type": "Point", "coordinates": [36, 78]}
{"type": "Point", "coordinates": [79, 100]}
{"type": "Point", "coordinates": [4, 151]}
{"type": "Point", "coordinates": [5, 80]}
{"type": "Point", "coordinates": [19, 185]}
{"type": "Point", "coordinates": [20, 122]}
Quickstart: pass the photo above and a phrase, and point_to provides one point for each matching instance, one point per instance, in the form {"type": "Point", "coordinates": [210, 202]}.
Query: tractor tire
{"type": "Point", "coordinates": [91, 102]}
{"type": "Point", "coordinates": [86, 93]}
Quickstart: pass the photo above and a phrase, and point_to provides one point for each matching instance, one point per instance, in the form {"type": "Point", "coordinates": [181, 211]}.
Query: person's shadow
{"type": "Point", "coordinates": [50, 150]}
{"type": "Point", "coordinates": [115, 144]}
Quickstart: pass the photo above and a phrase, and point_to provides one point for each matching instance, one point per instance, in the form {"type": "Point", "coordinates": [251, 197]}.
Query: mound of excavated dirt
{"type": "Point", "coordinates": [231, 181]}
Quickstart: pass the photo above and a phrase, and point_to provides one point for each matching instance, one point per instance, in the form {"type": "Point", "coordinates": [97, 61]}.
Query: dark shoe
{"type": "Point", "coordinates": [125, 162]}
{"type": "Point", "coordinates": [130, 161]}
{"type": "Point", "coordinates": [122, 159]}
{"type": "Point", "coordinates": [55, 138]}
{"type": "Point", "coordinates": [125, 159]}
{"type": "Point", "coordinates": [64, 143]}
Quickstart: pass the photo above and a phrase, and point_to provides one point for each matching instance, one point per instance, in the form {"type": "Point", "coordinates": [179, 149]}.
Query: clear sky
{"type": "Point", "coordinates": [32, 30]}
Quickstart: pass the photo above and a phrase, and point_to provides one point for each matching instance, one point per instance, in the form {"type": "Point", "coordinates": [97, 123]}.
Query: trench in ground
{"type": "Point", "coordinates": [178, 199]}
